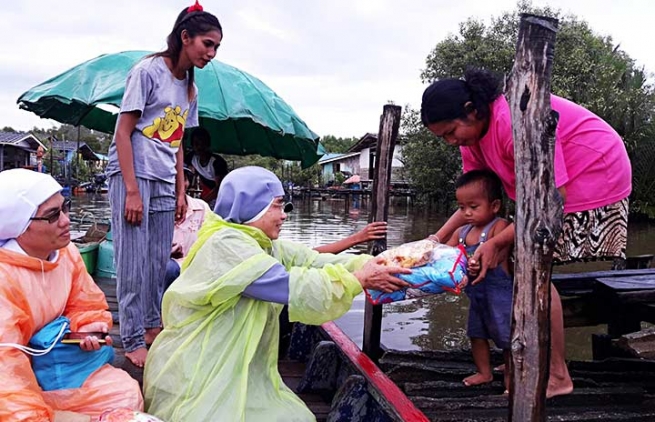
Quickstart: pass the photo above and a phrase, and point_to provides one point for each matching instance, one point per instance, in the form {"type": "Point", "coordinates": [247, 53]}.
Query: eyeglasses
{"type": "Point", "coordinates": [287, 207]}
{"type": "Point", "coordinates": [54, 216]}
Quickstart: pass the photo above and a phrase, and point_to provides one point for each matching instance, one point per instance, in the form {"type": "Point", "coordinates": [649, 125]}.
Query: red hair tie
{"type": "Point", "coordinates": [195, 8]}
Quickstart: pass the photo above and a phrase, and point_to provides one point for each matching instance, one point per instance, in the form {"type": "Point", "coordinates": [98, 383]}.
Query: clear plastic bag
{"type": "Point", "coordinates": [436, 268]}
{"type": "Point", "coordinates": [127, 415]}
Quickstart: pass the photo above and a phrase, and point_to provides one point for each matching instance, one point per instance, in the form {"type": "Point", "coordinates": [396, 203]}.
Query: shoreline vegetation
{"type": "Point", "coordinates": [590, 69]}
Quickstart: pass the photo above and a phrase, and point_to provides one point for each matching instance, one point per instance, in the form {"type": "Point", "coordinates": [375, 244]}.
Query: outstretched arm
{"type": "Point", "coordinates": [446, 232]}
{"type": "Point", "coordinates": [372, 231]}
{"type": "Point", "coordinates": [492, 252]}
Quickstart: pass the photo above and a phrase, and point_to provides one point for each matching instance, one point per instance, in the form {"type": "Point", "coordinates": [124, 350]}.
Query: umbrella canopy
{"type": "Point", "coordinates": [353, 179]}
{"type": "Point", "coordinates": [243, 115]}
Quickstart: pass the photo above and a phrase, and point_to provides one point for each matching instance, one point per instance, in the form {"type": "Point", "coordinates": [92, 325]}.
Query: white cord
{"type": "Point", "coordinates": [37, 352]}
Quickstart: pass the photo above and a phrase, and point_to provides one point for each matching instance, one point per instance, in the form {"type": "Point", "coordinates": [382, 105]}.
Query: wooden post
{"type": "Point", "coordinates": [538, 214]}
{"type": "Point", "coordinates": [52, 152]}
{"type": "Point", "coordinates": [389, 124]}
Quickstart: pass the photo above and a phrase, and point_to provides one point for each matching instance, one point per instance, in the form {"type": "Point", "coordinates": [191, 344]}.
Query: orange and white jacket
{"type": "Point", "coordinates": [33, 293]}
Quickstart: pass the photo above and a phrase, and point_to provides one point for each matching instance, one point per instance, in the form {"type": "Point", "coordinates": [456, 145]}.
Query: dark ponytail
{"type": "Point", "coordinates": [447, 99]}
{"type": "Point", "coordinates": [196, 22]}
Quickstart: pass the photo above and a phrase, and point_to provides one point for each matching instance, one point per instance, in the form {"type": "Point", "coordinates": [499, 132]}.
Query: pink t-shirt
{"type": "Point", "coordinates": [591, 161]}
{"type": "Point", "coordinates": [186, 232]}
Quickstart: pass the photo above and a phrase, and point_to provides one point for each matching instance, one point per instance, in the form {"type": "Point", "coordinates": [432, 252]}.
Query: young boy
{"type": "Point", "coordinates": [479, 197]}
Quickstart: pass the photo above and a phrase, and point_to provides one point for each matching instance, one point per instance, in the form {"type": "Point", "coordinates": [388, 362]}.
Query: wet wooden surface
{"type": "Point", "coordinates": [613, 390]}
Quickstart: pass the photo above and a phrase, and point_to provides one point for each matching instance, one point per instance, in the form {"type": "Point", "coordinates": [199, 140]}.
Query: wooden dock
{"type": "Point", "coordinates": [611, 390]}
{"type": "Point", "coordinates": [334, 378]}
{"type": "Point", "coordinates": [326, 193]}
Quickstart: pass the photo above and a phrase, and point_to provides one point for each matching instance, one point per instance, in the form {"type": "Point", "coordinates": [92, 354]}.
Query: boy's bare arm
{"type": "Point", "coordinates": [499, 227]}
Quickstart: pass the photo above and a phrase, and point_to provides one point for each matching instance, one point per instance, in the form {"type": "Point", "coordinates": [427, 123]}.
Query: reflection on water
{"type": "Point", "coordinates": [436, 322]}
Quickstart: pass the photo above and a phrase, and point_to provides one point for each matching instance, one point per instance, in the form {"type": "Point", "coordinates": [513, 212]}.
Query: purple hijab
{"type": "Point", "coordinates": [245, 192]}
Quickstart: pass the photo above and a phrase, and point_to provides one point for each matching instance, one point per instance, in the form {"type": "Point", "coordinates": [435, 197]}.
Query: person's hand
{"type": "Point", "coordinates": [375, 275]}
{"type": "Point", "coordinates": [91, 341]}
{"type": "Point", "coordinates": [486, 256]}
{"type": "Point", "coordinates": [180, 209]}
{"type": "Point", "coordinates": [66, 416]}
{"type": "Point", "coordinates": [176, 251]}
{"type": "Point", "coordinates": [372, 231]}
{"type": "Point", "coordinates": [133, 208]}
{"type": "Point", "coordinates": [473, 267]}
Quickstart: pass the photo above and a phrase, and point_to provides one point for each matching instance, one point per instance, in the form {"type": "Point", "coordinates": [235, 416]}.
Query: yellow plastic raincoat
{"type": "Point", "coordinates": [216, 359]}
{"type": "Point", "coordinates": [32, 294]}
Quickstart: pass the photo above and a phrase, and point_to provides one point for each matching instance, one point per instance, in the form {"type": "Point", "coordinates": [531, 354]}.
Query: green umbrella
{"type": "Point", "coordinates": [243, 115]}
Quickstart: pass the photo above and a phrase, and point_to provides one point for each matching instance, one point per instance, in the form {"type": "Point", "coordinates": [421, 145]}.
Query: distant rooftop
{"type": "Point", "coordinates": [23, 140]}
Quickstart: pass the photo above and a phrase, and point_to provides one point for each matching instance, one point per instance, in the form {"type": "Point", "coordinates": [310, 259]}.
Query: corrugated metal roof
{"type": "Point", "coordinates": [336, 157]}
{"type": "Point", "coordinates": [23, 140]}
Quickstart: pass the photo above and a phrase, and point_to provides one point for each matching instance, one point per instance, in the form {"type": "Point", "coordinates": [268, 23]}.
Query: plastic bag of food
{"type": "Point", "coordinates": [127, 415]}
{"type": "Point", "coordinates": [435, 268]}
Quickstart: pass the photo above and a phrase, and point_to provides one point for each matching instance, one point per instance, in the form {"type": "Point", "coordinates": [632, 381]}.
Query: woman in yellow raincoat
{"type": "Point", "coordinates": [216, 358]}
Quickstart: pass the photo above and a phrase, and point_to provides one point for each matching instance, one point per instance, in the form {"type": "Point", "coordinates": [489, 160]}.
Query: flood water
{"type": "Point", "coordinates": [432, 323]}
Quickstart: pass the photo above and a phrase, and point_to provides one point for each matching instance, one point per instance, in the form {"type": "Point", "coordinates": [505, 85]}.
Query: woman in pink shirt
{"type": "Point", "coordinates": [592, 173]}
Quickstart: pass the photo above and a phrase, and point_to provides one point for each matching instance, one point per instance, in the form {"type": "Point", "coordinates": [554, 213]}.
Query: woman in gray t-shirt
{"type": "Point", "coordinates": [146, 181]}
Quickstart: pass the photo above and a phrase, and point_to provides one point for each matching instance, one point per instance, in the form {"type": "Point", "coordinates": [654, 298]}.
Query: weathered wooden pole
{"type": "Point", "coordinates": [538, 214]}
{"type": "Point", "coordinates": [389, 124]}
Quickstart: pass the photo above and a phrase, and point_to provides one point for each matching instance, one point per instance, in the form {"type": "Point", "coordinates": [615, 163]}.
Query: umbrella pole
{"type": "Point", "coordinates": [77, 156]}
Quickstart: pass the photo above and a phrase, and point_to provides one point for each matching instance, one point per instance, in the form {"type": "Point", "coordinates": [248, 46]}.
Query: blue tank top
{"type": "Point", "coordinates": [497, 273]}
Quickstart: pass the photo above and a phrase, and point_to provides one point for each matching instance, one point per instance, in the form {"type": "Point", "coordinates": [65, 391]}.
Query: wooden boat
{"type": "Point", "coordinates": [340, 383]}
{"type": "Point", "coordinates": [324, 367]}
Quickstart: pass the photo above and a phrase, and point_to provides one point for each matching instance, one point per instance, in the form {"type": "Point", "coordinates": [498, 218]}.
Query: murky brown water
{"type": "Point", "coordinates": [436, 322]}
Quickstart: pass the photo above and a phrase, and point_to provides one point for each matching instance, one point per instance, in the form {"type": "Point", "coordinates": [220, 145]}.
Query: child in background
{"type": "Point", "coordinates": [479, 197]}
{"type": "Point", "coordinates": [211, 168]}
{"type": "Point", "coordinates": [185, 233]}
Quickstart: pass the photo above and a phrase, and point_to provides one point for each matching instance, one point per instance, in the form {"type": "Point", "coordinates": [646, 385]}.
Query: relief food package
{"type": "Point", "coordinates": [127, 415]}
{"type": "Point", "coordinates": [435, 268]}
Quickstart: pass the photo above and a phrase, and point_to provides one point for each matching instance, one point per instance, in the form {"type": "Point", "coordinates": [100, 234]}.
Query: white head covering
{"type": "Point", "coordinates": [21, 193]}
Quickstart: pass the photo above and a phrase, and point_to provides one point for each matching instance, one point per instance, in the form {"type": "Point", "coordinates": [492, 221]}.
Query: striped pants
{"type": "Point", "coordinates": [140, 256]}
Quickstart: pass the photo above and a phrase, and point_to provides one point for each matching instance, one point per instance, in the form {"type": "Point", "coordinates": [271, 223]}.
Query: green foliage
{"type": "Point", "coordinates": [99, 142]}
{"type": "Point", "coordinates": [291, 170]}
{"type": "Point", "coordinates": [85, 172]}
{"type": "Point", "coordinates": [430, 164]}
{"type": "Point", "coordinates": [285, 170]}
{"type": "Point", "coordinates": [337, 145]}
{"type": "Point", "coordinates": [588, 69]}
{"type": "Point", "coordinates": [339, 178]}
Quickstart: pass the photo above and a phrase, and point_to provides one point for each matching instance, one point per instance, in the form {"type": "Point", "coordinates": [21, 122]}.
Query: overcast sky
{"type": "Point", "coordinates": [336, 62]}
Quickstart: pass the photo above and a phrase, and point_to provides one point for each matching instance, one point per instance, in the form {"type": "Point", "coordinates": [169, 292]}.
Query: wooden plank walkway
{"type": "Point", "coordinates": [616, 390]}
{"type": "Point", "coordinates": [290, 370]}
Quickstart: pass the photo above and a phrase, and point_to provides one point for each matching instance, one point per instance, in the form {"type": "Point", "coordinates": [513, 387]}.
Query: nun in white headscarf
{"type": "Point", "coordinates": [217, 354]}
{"type": "Point", "coordinates": [22, 192]}
{"type": "Point", "coordinates": [36, 290]}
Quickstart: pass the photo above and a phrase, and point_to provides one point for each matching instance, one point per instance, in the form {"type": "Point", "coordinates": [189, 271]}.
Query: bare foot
{"type": "Point", "coordinates": [138, 356]}
{"type": "Point", "coordinates": [151, 334]}
{"type": "Point", "coordinates": [559, 387]}
{"type": "Point", "coordinates": [477, 379]}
